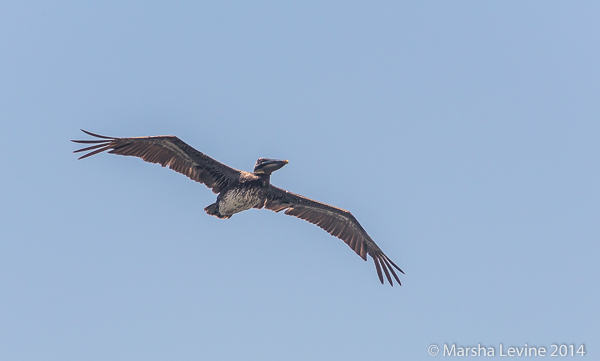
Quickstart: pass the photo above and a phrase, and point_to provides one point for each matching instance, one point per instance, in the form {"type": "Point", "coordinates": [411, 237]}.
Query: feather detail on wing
{"type": "Point", "coordinates": [337, 222]}
{"type": "Point", "coordinates": [167, 150]}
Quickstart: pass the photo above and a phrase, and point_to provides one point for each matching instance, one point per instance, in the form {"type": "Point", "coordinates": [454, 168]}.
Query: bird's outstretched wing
{"type": "Point", "coordinates": [337, 222]}
{"type": "Point", "coordinates": [167, 150]}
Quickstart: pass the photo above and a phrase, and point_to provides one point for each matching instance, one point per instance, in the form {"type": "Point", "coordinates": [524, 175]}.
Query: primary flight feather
{"type": "Point", "coordinates": [239, 190]}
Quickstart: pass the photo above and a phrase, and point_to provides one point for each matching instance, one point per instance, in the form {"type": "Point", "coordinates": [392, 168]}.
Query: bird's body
{"type": "Point", "coordinates": [240, 190]}
{"type": "Point", "coordinates": [239, 199]}
{"type": "Point", "coordinates": [248, 193]}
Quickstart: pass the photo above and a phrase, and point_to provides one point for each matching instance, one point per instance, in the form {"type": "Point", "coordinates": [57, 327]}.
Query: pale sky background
{"type": "Point", "coordinates": [463, 135]}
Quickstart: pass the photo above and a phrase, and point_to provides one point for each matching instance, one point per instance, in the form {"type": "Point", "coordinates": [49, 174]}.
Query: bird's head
{"type": "Point", "coordinates": [268, 166]}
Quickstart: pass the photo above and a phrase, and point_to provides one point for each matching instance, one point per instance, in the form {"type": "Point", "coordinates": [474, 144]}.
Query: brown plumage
{"type": "Point", "coordinates": [239, 190]}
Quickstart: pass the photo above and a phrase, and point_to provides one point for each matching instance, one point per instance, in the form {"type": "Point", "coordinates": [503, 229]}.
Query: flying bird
{"type": "Point", "coordinates": [239, 190]}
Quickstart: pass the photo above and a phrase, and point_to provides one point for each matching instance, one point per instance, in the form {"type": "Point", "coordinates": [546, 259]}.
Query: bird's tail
{"type": "Point", "coordinates": [213, 210]}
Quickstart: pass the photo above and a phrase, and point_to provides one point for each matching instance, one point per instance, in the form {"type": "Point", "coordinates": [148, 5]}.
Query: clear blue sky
{"type": "Point", "coordinates": [465, 137]}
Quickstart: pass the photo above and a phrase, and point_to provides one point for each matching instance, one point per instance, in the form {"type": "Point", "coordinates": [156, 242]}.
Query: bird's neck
{"type": "Point", "coordinates": [265, 179]}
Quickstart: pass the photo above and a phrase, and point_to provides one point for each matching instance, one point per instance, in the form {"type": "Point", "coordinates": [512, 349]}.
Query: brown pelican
{"type": "Point", "coordinates": [239, 190]}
